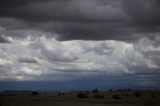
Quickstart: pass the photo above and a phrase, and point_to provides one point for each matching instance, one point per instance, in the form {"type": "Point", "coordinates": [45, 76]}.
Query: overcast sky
{"type": "Point", "coordinates": [73, 40]}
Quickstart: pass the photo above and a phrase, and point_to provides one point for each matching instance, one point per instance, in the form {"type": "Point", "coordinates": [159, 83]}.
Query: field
{"type": "Point", "coordinates": [123, 98]}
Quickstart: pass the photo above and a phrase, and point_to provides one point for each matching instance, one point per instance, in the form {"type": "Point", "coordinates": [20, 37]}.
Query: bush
{"type": "Point", "coordinates": [98, 96]}
{"type": "Point", "coordinates": [153, 96]}
{"type": "Point", "coordinates": [82, 95]}
{"type": "Point", "coordinates": [35, 93]}
{"type": "Point", "coordinates": [137, 94]}
{"type": "Point", "coordinates": [116, 96]}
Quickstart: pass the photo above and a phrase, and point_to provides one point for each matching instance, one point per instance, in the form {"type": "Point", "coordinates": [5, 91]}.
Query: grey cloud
{"type": "Point", "coordinates": [145, 14]}
{"type": "Point", "coordinates": [30, 27]}
{"type": "Point", "coordinates": [12, 24]}
{"type": "Point", "coordinates": [84, 19]}
{"type": "Point", "coordinates": [27, 60]}
{"type": "Point", "coordinates": [84, 57]}
{"type": "Point", "coordinates": [69, 10]}
{"type": "Point", "coordinates": [54, 53]}
{"type": "Point", "coordinates": [3, 39]}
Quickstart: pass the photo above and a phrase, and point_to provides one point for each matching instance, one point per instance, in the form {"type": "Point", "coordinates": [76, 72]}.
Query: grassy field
{"type": "Point", "coordinates": [124, 98]}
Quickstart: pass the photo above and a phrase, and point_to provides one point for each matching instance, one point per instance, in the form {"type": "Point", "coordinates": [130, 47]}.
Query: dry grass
{"type": "Point", "coordinates": [70, 99]}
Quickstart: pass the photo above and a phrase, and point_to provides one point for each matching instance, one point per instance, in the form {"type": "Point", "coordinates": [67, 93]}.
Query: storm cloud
{"type": "Point", "coordinates": [61, 40]}
{"type": "Point", "coordinates": [125, 20]}
{"type": "Point", "coordinates": [40, 58]}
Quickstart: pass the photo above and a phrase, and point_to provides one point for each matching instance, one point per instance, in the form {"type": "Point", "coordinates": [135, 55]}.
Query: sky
{"type": "Point", "coordinates": [79, 44]}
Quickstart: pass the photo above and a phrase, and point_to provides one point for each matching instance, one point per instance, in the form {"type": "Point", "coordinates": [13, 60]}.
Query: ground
{"type": "Point", "coordinates": [124, 98]}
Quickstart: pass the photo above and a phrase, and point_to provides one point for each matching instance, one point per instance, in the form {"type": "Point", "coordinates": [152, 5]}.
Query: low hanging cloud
{"type": "Point", "coordinates": [30, 59]}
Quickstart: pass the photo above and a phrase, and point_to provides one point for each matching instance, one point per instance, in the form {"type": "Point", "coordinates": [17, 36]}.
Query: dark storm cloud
{"type": "Point", "coordinates": [85, 19]}
{"type": "Point", "coordinates": [145, 14]}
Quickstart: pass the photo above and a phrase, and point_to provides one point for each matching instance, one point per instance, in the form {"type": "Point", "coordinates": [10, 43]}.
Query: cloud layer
{"type": "Point", "coordinates": [83, 19]}
{"type": "Point", "coordinates": [48, 59]}
{"type": "Point", "coordinates": [57, 40]}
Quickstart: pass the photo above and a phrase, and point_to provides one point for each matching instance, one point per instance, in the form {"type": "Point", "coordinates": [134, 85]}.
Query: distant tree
{"type": "Point", "coordinates": [94, 90]}
{"type": "Point", "coordinates": [110, 90]}
{"type": "Point", "coordinates": [137, 94]}
{"type": "Point", "coordinates": [116, 96]}
{"type": "Point", "coordinates": [153, 95]}
{"type": "Point", "coordinates": [82, 95]}
{"type": "Point", "coordinates": [34, 93]}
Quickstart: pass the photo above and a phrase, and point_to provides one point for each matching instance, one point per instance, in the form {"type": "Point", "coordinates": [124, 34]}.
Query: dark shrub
{"type": "Point", "coordinates": [94, 90]}
{"type": "Point", "coordinates": [82, 95]}
{"type": "Point", "coordinates": [98, 96]}
{"type": "Point", "coordinates": [137, 94]}
{"type": "Point", "coordinates": [35, 93]}
{"type": "Point", "coordinates": [116, 96]}
{"type": "Point", "coordinates": [153, 96]}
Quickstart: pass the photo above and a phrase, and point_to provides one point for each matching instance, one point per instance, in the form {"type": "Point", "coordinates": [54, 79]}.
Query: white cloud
{"type": "Point", "coordinates": [41, 57]}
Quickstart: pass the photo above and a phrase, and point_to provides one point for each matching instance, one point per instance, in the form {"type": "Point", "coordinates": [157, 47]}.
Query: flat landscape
{"type": "Point", "coordinates": [101, 98]}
